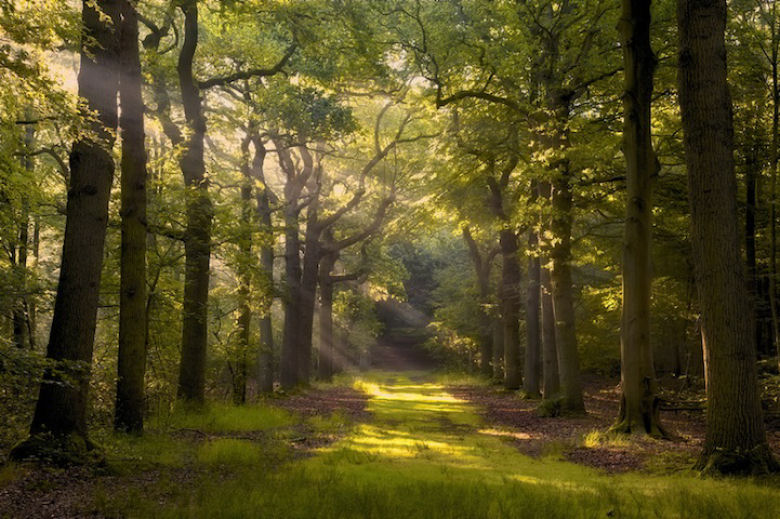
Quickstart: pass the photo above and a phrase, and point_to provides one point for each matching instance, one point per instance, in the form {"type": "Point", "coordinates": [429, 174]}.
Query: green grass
{"type": "Point", "coordinates": [223, 418]}
{"type": "Point", "coordinates": [425, 454]}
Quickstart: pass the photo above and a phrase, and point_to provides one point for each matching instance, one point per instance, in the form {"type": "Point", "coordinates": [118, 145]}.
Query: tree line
{"type": "Point", "coordinates": [320, 132]}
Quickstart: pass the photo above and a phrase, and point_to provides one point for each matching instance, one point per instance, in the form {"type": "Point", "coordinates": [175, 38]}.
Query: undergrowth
{"type": "Point", "coordinates": [424, 454]}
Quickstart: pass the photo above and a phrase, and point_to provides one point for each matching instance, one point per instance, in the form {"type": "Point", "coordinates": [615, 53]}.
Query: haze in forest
{"type": "Point", "coordinates": [384, 258]}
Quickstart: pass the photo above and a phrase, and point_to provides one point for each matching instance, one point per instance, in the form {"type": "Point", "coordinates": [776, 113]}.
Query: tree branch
{"type": "Point", "coordinates": [252, 73]}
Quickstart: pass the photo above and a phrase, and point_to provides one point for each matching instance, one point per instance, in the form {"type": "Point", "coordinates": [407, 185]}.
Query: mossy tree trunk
{"type": "Point", "coordinates": [131, 366]}
{"type": "Point", "coordinates": [735, 439]}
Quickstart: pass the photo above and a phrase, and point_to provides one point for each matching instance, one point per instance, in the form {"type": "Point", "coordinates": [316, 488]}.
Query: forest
{"type": "Point", "coordinates": [389, 258]}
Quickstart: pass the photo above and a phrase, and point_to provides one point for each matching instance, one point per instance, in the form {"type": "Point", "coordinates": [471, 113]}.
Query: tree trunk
{"type": "Point", "coordinates": [289, 375]}
{"type": "Point", "coordinates": [59, 426]}
{"type": "Point", "coordinates": [22, 328]}
{"type": "Point", "coordinates": [735, 440]}
{"type": "Point", "coordinates": [774, 158]}
{"type": "Point", "coordinates": [326, 350]}
{"type": "Point", "coordinates": [197, 244]}
{"type": "Point", "coordinates": [551, 384]}
{"type": "Point", "coordinates": [533, 347]}
{"type": "Point", "coordinates": [482, 267]}
{"type": "Point", "coordinates": [308, 287]}
{"type": "Point", "coordinates": [244, 270]}
{"type": "Point", "coordinates": [132, 292]}
{"type": "Point", "coordinates": [510, 308]}
{"type": "Point", "coordinates": [563, 294]}
{"type": "Point", "coordinates": [497, 327]}
{"type": "Point", "coordinates": [752, 172]}
{"type": "Point", "coordinates": [265, 355]}
{"type": "Point", "coordinates": [639, 401]}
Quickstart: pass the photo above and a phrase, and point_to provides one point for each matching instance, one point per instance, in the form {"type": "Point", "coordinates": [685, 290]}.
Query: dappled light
{"type": "Point", "coordinates": [378, 259]}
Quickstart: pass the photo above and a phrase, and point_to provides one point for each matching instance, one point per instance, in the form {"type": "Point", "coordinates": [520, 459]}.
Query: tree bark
{"type": "Point", "coordinates": [308, 296]}
{"type": "Point", "coordinates": [510, 308]}
{"type": "Point", "coordinates": [639, 402]}
{"type": "Point", "coordinates": [59, 423]}
{"type": "Point", "coordinates": [482, 267]}
{"type": "Point", "coordinates": [23, 332]}
{"type": "Point", "coordinates": [264, 197]}
{"type": "Point", "coordinates": [197, 243]}
{"type": "Point", "coordinates": [735, 440]}
{"type": "Point", "coordinates": [131, 366]}
{"type": "Point", "coordinates": [774, 158]}
{"type": "Point", "coordinates": [326, 349]}
{"type": "Point", "coordinates": [563, 294]}
{"type": "Point", "coordinates": [551, 384]}
{"type": "Point", "coordinates": [533, 347]}
{"type": "Point", "coordinates": [289, 373]}
{"type": "Point", "coordinates": [240, 369]}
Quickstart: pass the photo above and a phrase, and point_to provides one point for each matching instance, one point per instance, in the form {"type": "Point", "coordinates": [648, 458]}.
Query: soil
{"type": "Point", "coordinates": [534, 435]}
{"type": "Point", "coordinates": [36, 492]}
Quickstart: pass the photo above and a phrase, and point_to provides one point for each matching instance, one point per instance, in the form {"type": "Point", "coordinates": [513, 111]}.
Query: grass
{"type": "Point", "coordinates": [425, 454]}
{"type": "Point", "coordinates": [224, 418]}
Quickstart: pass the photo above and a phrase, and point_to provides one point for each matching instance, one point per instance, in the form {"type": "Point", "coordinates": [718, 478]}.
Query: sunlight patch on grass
{"type": "Point", "coordinates": [503, 433]}
{"type": "Point", "coordinates": [597, 438]}
{"type": "Point", "coordinates": [429, 456]}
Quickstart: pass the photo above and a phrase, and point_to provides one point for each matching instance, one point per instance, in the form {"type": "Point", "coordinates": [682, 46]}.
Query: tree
{"type": "Point", "coordinates": [639, 403]}
{"type": "Point", "coordinates": [132, 302]}
{"type": "Point", "coordinates": [735, 440]}
{"type": "Point", "coordinates": [59, 426]}
{"type": "Point", "coordinates": [483, 264]}
{"type": "Point", "coordinates": [197, 242]}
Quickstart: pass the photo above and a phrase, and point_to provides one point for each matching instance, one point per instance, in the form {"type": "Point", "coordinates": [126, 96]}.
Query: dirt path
{"type": "Point", "coordinates": [384, 445]}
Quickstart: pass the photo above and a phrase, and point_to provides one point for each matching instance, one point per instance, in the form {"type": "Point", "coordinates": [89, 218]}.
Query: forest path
{"type": "Point", "coordinates": [419, 431]}
{"type": "Point", "coordinates": [422, 450]}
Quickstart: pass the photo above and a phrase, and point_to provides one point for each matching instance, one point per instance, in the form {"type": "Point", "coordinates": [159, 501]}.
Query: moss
{"type": "Point", "coordinates": [721, 462]}
{"type": "Point", "coordinates": [59, 450]}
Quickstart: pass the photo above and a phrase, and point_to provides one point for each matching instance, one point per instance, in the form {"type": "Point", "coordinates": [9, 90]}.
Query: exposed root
{"type": "Point", "coordinates": [61, 451]}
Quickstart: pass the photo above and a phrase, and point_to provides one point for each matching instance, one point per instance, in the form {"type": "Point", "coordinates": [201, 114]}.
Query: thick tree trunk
{"type": "Point", "coordinates": [735, 439]}
{"type": "Point", "coordinates": [533, 346]}
{"type": "Point", "coordinates": [774, 158]}
{"type": "Point", "coordinates": [197, 244]}
{"type": "Point", "coordinates": [510, 308]}
{"type": "Point", "coordinates": [132, 298]}
{"type": "Point", "coordinates": [639, 401]}
{"type": "Point", "coordinates": [59, 424]}
{"type": "Point", "coordinates": [563, 295]}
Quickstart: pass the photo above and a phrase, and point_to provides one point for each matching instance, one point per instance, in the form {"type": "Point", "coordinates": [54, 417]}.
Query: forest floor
{"type": "Point", "coordinates": [390, 444]}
